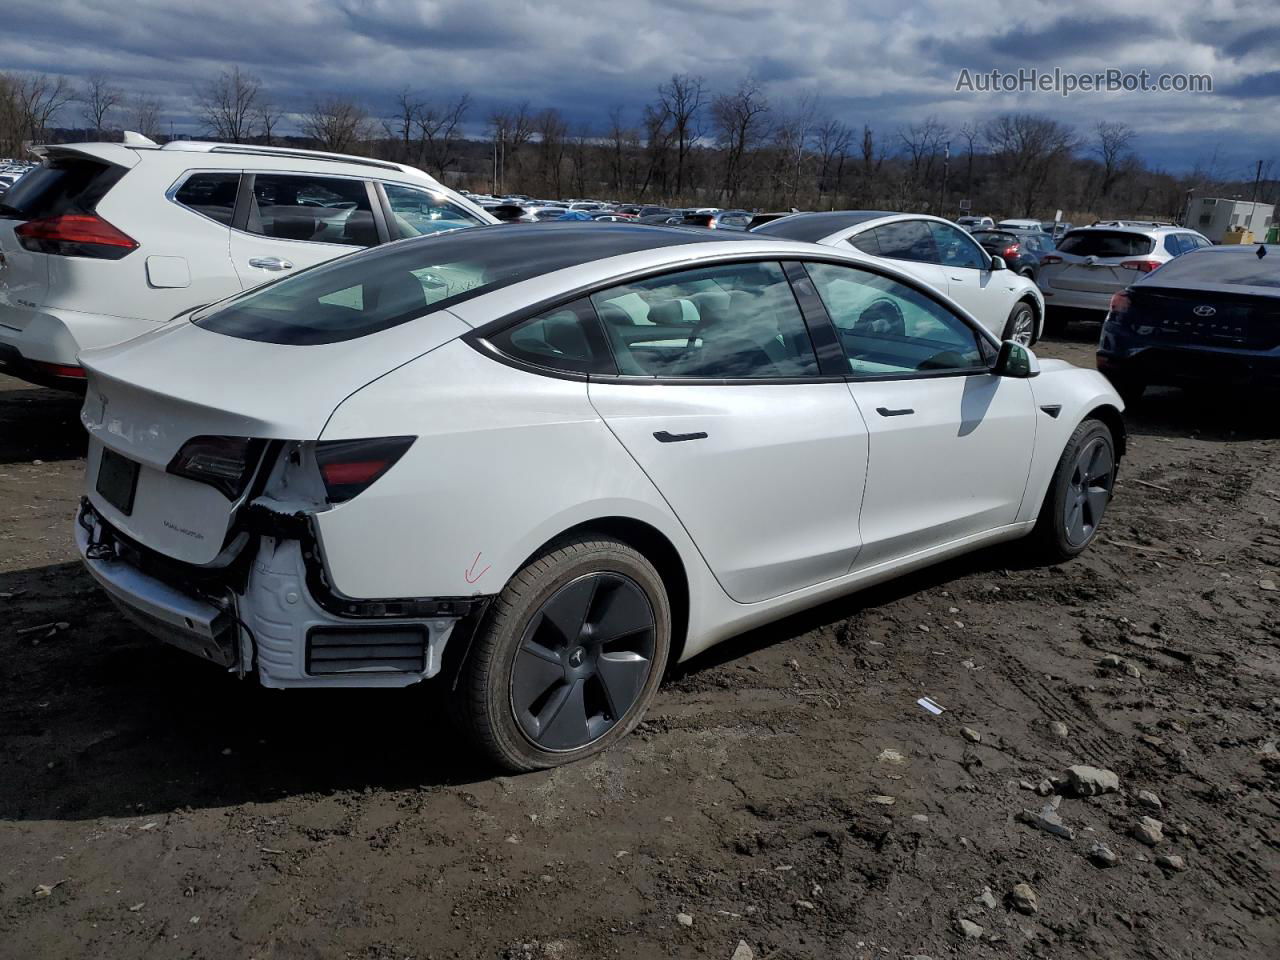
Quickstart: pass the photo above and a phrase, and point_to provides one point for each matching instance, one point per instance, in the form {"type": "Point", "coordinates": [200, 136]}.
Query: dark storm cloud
{"type": "Point", "coordinates": [887, 66]}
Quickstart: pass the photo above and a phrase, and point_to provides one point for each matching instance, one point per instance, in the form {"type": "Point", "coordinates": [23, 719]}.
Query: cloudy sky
{"type": "Point", "coordinates": [886, 64]}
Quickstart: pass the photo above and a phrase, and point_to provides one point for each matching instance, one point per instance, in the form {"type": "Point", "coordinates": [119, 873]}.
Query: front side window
{"type": "Point", "coordinates": [416, 212]}
{"type": "Point", "coordinates": [733, 321]}
{"type": "Point", "coordinates": [955, 248]}
{"type": "Point", "coordinates": [312, 209]}
{"type": "Point", "coordinates": [889, 329]}
{"type": "Point", "coordinates": [567, 338]}
{"type": "Point", "coordinates": [211, 194]}
{"type": "Point", "coordinates": [907, 240]}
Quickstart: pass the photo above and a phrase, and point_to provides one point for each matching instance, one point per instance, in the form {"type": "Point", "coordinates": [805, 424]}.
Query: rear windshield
{"type": "Point", "coordinates": [64, 186]}
{"type": "Point", "coordinates": [986, 237]}
{"type": "Point", "coordinates": [1106, 243]}
{"type": "Point", "coordinates": [366, 292]}
{"type": "Point", "coordinates": [1216, 266]}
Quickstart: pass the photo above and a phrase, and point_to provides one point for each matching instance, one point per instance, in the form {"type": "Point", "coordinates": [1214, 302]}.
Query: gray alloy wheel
{"type": "Point", "coordinates": [1078, 494]}
{"type": "Point", "coordinates": [582, 662]}
{"type": "Point", "coordinates": [1021, 327]}
{"type": "Point", "coordinates": [568, 657]}
{"type": "Point", "coordinates": [1089, 490]}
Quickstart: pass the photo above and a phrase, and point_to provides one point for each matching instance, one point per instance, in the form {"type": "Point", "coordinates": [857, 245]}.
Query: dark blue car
{"type": "Point", "coordinates": [1211, 317]}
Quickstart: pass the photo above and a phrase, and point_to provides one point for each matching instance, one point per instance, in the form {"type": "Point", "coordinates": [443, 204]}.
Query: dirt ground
{"type": "Point", "coordinates": [787, 791]}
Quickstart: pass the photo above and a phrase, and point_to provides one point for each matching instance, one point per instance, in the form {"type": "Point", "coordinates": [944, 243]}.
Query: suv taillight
{"type": "Point", "coordinates": [76, 235]}
{"type": "Point", "coordinates": [225, 463]}
{"type": "Point", "coordinates": [1010, 251]}
{"type": "Point", "coordinates": [1049, 258]}
{"type": "Point", "coordinates": [1142, 266]}
{"type": "Point", "coordinates": [349, 467]}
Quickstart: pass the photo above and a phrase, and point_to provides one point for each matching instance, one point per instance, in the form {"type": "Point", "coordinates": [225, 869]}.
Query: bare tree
{"type": "Point", "coordinates": [832, 139]}
{"type": "Point", "coordinates": [439, 129]}
{"type": "Point", "coordinates": [741, 121]}
{"type": "Point", "coordinates": [337, 123]}
{"type": "Point", "coordinates": [791, 137]}
{"type": "Point", "coordinates": [1027, 150]}
{"type": "Point", "coordinates": [682, 99]}
{"type": "Point", "coordinates": [265, 117]}
{"type": "Point", "coordinates": [40, 97]}
{"type": "Point", "coordinates": [552, 130]}
{"type": "Point", "coordinates": [1112, 148]}
{"type": "Point", "coordinates": [657, 145]}
{"type": "Point", "coordinates": [512, 129]}
{"type": "Point", "coordinates": [400, 127]}
{"type": "Point", "coordinates": [227, 103]}
{"type": "Point", "coordinates": [98, 99]}
{"type": "Point", "coordinates": [924, 143]}
{"type": "Point", "coordinates": [969, 133]}
{"type": "Point", "coordinates": [144, 115]}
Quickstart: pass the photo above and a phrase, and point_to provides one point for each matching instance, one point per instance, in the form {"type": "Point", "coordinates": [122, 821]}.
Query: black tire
{"type": "Point", "coordinates": [1028, 273]}
{"type": "Point", "coordinates": [1054, 540]}
{"type": "Point", "coordinates": [1021, 322]}
{"type": "Point", "coordinates": [492, 679]}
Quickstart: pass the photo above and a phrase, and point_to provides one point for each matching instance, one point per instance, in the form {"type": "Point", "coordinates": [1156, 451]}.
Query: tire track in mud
{"type": "Point", "coordinates": [1097, 738]}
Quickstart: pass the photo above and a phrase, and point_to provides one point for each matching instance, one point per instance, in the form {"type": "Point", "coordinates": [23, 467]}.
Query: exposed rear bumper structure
{"type": "Point", "coordinates": [1186, 364]}
{"type": "Point", "coordinates": [262, 617]}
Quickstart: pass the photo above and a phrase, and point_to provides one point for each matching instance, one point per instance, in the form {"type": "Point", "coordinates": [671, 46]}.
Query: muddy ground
{"type": "Point", "coordinates": [177, 812]}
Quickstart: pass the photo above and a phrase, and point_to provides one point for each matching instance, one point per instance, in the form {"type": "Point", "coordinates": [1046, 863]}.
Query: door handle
{"type": "Point", "coordinates": [886, 412]}
{"type": "Point", "coordinates": [662, 436]}
{"type": "Point", "coordinates": [270, 263]}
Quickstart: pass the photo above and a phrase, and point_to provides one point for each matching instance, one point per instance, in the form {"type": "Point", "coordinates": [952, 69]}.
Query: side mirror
{"type": "Point", "coordinates": [997, 263]}
{"type": "Point", "coordinates": [1015, 360]}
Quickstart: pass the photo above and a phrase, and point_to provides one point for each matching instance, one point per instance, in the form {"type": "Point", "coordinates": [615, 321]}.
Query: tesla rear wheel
{"type": "Point", "coordinates": [1021, 326]}
{"type": "Point", "coordinates": [569, 657]}
{"type": "Point", "coordinates": [1078, 494]}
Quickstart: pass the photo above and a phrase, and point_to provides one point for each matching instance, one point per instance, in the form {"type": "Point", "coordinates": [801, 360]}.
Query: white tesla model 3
{"type": "Point", "coordinates": [547, 461]}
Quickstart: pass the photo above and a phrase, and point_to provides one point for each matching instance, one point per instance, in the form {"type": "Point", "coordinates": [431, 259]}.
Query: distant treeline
{"type": "Point", "coordinates": [689, 145]}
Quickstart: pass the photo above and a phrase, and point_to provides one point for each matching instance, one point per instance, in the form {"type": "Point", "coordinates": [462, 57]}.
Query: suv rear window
{"type": "Point", "coordinates": [63, 186]}
{"type": "Point", "coordinates": [210, 194]}
{"type": "Point", "coordinates": [1106, 243]}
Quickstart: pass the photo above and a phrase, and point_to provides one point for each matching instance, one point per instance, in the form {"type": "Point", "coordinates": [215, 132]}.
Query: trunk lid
{"type": "Point", "coordinates": [1091, 259]}
{"type": "Point", "coordinates": [147, 397]}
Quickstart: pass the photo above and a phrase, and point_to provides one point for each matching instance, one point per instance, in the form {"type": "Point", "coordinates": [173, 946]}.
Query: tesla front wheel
{"type": "Point", "coordinates": [1078, 494]}
{"type": "Point", "coordinates": [569, 656]}
{"type": "Point", "coordinates": [1021, 326]}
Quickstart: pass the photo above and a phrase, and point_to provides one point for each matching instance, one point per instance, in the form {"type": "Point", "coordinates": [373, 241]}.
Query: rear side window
{"type": "Point", "coordinates": [866, 242]}
{"type": "Point", "coordinates": [907, 240]}
{"type": "Point", "coordinates": [63, 186]}
{"type": "Point", "coordinates": [312, 209]}
{"type": "Point", "coordinates": [1106, 243]}
{"type": "Point", "coordinates": [567, 338]}
{"type": "Point", "coordinates": [416, 212]}
{"type": "Point", "coordinates": [212, 195]}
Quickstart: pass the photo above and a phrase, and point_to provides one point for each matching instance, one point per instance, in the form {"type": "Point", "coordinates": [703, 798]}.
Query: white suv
{"type": "Point", "coordinates": [106, 240]}
{"type": "Point", "coordinates": [1092, 263]}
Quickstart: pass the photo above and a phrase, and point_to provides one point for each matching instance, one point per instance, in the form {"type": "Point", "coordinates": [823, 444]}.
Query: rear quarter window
{"type": "Point", "coordinates": [1106, 243]}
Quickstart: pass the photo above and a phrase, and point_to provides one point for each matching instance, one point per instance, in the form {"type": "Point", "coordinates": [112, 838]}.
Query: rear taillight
{"type": "Point", "coordinates": [76, 235]}
{"type": "Point", "coordinates": [64, 370]}
{"type": "Point", "coordinates": [1048, 259]}
{"type": "Point", "coordinates": [349, 467]}
{"type": "Point", "coordinates": [1142, 266]}
{"type": "Point", "coordinates": [1010, 251]}
{"type": "Point", "coordinates": [225, 463]}
{"type": "Point", "coordinates": [1119, 307]}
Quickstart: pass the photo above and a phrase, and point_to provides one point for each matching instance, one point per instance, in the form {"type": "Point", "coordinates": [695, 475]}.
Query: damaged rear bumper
{"type": "Point", "coordinates": [271, 612]}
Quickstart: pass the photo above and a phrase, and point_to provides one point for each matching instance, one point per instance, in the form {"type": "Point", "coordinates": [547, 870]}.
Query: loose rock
{"type": "Point", "coordinates": [988, 899]}
{"type": "Point", "coordinates": [1101, 856]}
{"type": "Point", "coordinates": [684, 919]}
{"type": "Point", "coordinates": [1059, 729]}
{"type": "Point", "coordinates": [1149, 800]}
{"type": "Point", "coordinates": [883, 800]}
{"type": "Point", "coordinates": [1148, 830]}
{"type": "Point", "coordinates": [1119, 665]}
{"type": "Point", "coordinates": [1086, 781]}
{"type": "Point", "coordinates": [1171, 861]}
{"type": "Point", "coordinates": [973, 736]}
{"type": "Point", "coordinates": [742, 952]}
{"type": "Point", "coordinates": [805, 905]}
{"type": "Point", "coordinates": [1024, 899]}
{"type": "Point", "coordinates": [969, 929]}
{"type": "Point", "coordinates": [1047, 819]}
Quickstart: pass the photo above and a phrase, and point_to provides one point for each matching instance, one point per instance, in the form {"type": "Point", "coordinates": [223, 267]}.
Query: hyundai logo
{"type": "Point", "coordinates": [1204, 311]}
